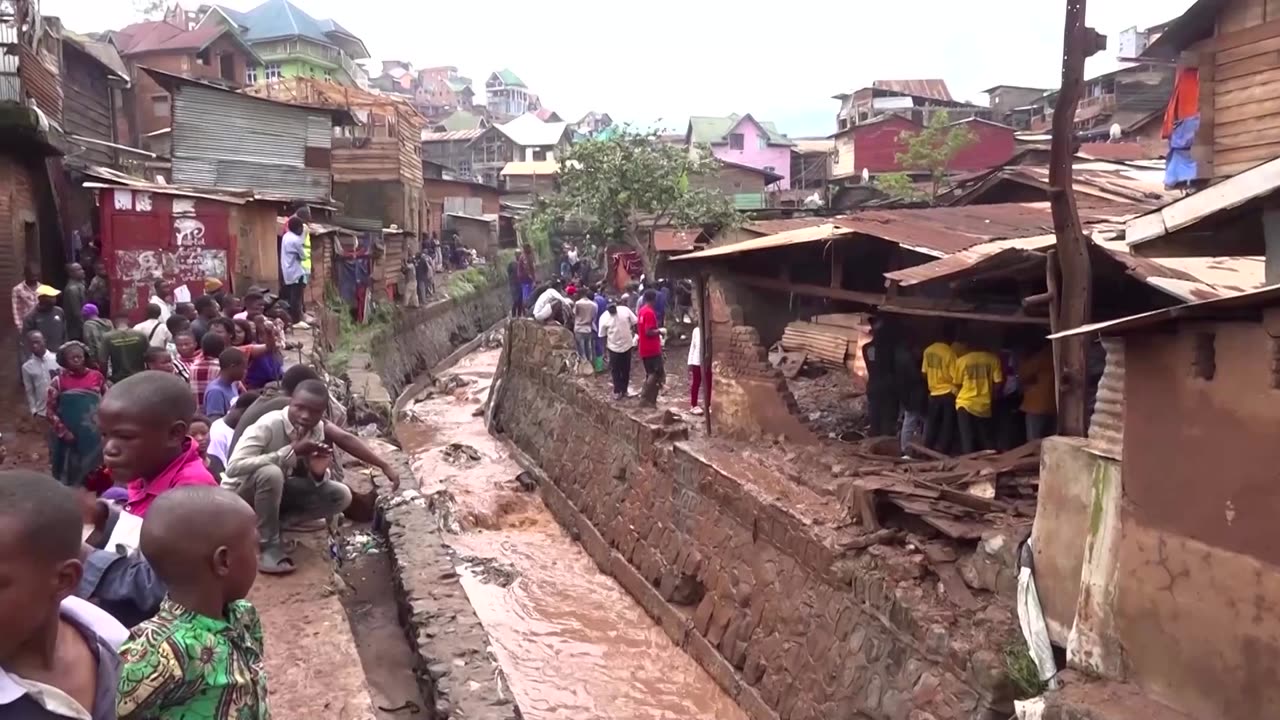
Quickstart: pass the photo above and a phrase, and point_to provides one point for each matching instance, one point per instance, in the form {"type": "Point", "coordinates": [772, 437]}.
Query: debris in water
{"type": "Point", "coordinates": [361, 543]}
{"type": "Point", "coordinates": [491, 571]}
{"type": "Point", "coordinates": [370, 430]}
{"type": "Point", "coordinates": [460, 454]}
{"type": "Point", "coordinates": [527, 482]}
{"type": "Point", "coordinates": [444, 507]}
{"type": "Point", "coordinates": [411, 497]}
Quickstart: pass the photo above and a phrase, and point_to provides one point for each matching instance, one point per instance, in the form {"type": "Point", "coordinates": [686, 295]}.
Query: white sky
{"type": "Point", "coordinates": [656, 63]}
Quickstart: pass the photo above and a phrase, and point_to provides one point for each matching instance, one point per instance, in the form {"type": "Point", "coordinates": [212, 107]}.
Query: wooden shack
{"type": "Point", "coordinates": [1232, 48]}
{"type": "Point", "coordinates": [376, 164]}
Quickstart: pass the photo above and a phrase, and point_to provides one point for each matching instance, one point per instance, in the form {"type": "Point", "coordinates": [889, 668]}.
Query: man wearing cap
{"type": "Point", "coordinates": [48, 318]}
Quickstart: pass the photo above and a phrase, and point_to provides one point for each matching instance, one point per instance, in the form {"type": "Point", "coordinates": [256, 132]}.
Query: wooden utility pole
{"type": "Point", "coordinates": [1073, 290]}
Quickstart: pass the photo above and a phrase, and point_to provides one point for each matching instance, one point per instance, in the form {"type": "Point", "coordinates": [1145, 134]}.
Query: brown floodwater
{"type": "Point", "coordinates": [571, 641]}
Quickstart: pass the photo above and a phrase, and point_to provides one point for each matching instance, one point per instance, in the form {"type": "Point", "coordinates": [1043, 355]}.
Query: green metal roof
{"type": "Point", "coordinates": [462, 120]}
{"type": "Point", "coordinates": [715, 130]}
{"type": "Point", "coordinates": [509, 78]}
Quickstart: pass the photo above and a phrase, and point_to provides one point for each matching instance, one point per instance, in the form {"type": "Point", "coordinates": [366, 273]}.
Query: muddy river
{"type": "Point", "coordinates": [572, 642]}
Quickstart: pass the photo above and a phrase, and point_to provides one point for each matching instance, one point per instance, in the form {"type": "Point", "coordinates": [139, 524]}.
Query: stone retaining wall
{"type": "Point", "coordinates": [751, 575]}
{"type": "Point", "coordinates": [420, 338]}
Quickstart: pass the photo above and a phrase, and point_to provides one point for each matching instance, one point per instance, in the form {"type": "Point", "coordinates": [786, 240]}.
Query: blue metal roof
{"type": "Point", "coordinates": [277, 19]}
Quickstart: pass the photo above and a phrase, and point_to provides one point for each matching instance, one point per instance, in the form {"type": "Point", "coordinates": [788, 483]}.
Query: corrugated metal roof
{"type": "Point", "coordinates": [1261, 297]}
{"type": "Point", "coordinates": [673, 240]}
{"type": "Point", "coordinates": [451, 135]}
{"type": "Point", "coordinates": [1230, 193]}
{"type": "Point", "coordinates": [1108, 181]}
{"type": "Point", "coordinates": [817, 233]}
{"type": "Point", "coordinates": [715, 130]}
{"type": "Point", "coordinates": [806, 146]}
{"type": "Point", "coordinates": [531, 167]}
{"type": "Point", "coordinates": [1120, 152]}
{"type": "Point", "coordinates": [932, 88]}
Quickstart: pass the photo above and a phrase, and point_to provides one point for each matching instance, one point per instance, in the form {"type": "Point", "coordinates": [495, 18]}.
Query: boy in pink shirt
{"type": "Point", "coordinates": [144, 421]}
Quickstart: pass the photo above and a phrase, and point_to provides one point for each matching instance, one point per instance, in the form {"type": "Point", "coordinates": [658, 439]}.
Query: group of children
{"type": "Point", "coordinates": [195, 649]}
{"type": "Point", "coordinates": [221, 346]}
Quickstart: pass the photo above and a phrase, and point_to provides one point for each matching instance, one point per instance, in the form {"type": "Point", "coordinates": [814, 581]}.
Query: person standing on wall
{"type": "Point", "coordinates": [649, 346]}
{"type": "Point", "coordinates": [617, 327]}
{"type": "Point", "coordinates": [697, 373]}
{"type": "Point", "coordinates": [292, 273]}
{"type": "Point", "coordinates": [304, 214]}
{"type": "Point", "coordinates": [979, 374]}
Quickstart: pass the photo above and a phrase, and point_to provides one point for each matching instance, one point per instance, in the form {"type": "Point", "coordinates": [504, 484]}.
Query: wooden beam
{"type": "Point", "coordinates": [1079, 42]}
{"type": "Point", "coordinates": [764, 283]}
{"type": "Point", "coordinates": [965, 315]}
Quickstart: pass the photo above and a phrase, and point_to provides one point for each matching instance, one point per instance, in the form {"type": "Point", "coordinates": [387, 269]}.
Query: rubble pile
{"type": "Point", "coordinates": [960, 498]}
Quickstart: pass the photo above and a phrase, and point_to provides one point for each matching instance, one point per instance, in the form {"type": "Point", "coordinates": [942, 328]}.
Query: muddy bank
{"type": "Point", "coordinates": [571, 642]}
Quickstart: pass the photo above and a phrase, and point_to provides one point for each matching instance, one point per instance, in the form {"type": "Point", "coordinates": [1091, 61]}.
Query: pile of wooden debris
{"type": "Point", "coordinates": [955, 497]}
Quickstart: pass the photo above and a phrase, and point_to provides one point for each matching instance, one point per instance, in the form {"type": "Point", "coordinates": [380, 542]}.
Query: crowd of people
{"type": "Point", "coordinates": [188, 448]}
{"type": "Point", "coordinates": [958, 395]}
{"type": "Point", "coordinates": [608, 329]}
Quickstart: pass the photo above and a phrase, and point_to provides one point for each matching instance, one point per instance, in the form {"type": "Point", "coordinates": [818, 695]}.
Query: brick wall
{"type": "Point", "coordinates": [751, 575]}
{"type": "Point", "coordinates": [17, 207]}
{"type": "Point", "coordinates": [750, 397]}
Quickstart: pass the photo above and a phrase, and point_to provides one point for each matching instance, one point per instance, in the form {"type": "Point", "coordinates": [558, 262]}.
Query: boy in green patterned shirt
{"type": "Point", "coordinates": [200, 657]}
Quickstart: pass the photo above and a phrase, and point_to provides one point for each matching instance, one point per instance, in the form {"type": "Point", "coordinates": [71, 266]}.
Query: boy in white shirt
{"type": "Point", "coordinates": [617, 327]}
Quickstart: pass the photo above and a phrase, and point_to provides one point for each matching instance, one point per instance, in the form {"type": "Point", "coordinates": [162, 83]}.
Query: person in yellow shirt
{"type": "Point", "coordinates": [979, 374]}
{"type": "Point", "coordinates": [1039, 401]}
{"type": "Point", "coordinates": [938, 368]}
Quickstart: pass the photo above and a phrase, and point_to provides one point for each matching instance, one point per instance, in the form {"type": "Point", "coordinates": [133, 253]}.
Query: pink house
{"type": "Point", "coordinates": [746, 141]}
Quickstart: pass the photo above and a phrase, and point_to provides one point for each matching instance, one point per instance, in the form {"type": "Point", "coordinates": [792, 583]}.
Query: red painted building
{"type": "Point", "coordinates": [874, 146]}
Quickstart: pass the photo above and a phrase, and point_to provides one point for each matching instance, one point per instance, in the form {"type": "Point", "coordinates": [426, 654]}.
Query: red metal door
{"type": "Point", "coordinates": [147, 236]}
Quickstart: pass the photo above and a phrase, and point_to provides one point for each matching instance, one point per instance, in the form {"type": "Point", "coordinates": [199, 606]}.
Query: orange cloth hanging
{"type": "Point", "coordinates": [1185, 100]}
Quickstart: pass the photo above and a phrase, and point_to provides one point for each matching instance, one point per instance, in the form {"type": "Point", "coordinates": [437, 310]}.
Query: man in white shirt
{"type": "Point", "coordinates": [153, 327]}
{"type": "Point", "coordinates": [36, 373]}
{"type": "Point", "coordinates": [618, 327]}
{"type": "Point", "coordinates": [161, 297]}
{"type": "Point", "coordinates": [552, 305]}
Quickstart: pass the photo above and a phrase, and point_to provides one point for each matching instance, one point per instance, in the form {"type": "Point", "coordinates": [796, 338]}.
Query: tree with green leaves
{"type": "Point", "coordinates": [625, 183]}
{"type": "Point", "coordinates": [928, 150]}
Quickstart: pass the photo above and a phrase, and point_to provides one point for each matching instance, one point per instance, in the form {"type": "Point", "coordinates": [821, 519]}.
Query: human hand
{"type": "Point", "coordinates": [306, 448]}
{"type": "Point", "coordinates": [319, 463]}
{"type": "Point", "coordinates": [393, 477]}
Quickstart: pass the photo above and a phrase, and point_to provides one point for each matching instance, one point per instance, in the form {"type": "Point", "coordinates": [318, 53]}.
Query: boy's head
{"type": "Point", "coordinates": [207, 307]}
{"type": "Point", "coordinates": [158, 359]}
{"type": "Point", "coordinates": [177, 323]}
{"type": "Point", "coordinates": [186, 310]}
{"type": "Point", "coordinates": [199, 431]}
{"type": "Point", "coordinates": [650, 296]}
{"type": "Point", "coordinates": [231, 306]}
{"type": "Point", "coordinates": [36, 343]}
{"type": "Point", "coordinates": [154, 311]}
{"type": "Point", "coordinates": [232, 365]}
{"type": "Point", "coordinates": [255, 304]}
{"type": "Point", "coordinates": [185, 343]}
{"type": "Point", "coordinates": [242, 403]}
{"type": "Point", "coordinates": [308, 404]}
{"type": "Point", "coordinates": [40, 527]}
{"type": "Point", "coordinates": [222, 327]}
{"type": "Point", "coordinates": [213, 344]}
{"type": "Point", "coordinates": [144, 420]}
{"type": "Point", "coordinates": [75, 271]}
{"type": "Point", "coordinates": [202, 541]}
{"type": "Point", "coordinates": [162, 288]}
{"type": "Point", "coordinates": [295, 375]}
{"type": "Point", "coordinates": [295, 225]}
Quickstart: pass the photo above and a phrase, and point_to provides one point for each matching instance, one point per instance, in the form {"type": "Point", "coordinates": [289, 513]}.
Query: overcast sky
{"type": "Point", "coordinates": [657, 62]}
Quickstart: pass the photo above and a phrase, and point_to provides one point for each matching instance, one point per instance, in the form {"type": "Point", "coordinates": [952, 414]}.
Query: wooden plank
{"type": "Point", "coordinates": [1251, 79]}
{"type": "Point", "coordinates": [1223, 99]}
{"type": "Point", "coordinates": [1248, 36]}
{"type": "Point", "coordinates": [812, 290]}
{"type": "Point", "coordinates": [1257, 137]}
{"type": "Point", "coordinates": [964, 315]}
{"type": "Point", "coordinates": [1258, 109]}
{"type": "Point", "coordinates": [1271, 10]}
{"type": "Point", "coordinates": [864, 504]}
{"type": "Point", "coordinates": [1243, 127]}
{"type": "Point", "coordinates": [1240, 15]}
{"type": "Point", "coordinates": [1202, 145]}
{"type": "Point", "coordinates": [1244, 52]}
{"type": "Point", "coordinates": [1257, 153]}
{"type": "Point", "coordinates": [1258, 63]}
{"type": "Point", "coordinates": [1230, 169]}
{"type": "Point", "coordinates": [854, 321]}
{"type": "Point", "coordinates": [953, 584]}
{"type": "Point", "coordinates": [955, 529]}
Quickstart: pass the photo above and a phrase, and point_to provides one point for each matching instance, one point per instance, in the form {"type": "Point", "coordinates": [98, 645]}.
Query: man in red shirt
{"type": "Point", "coordinates": [650, 350]}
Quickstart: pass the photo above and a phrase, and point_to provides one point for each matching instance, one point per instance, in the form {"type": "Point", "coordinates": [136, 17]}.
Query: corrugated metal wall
{"type": "Point", "coordinates": [1106, 429]}
{"type": "Point", "coordinates": [230, 141]}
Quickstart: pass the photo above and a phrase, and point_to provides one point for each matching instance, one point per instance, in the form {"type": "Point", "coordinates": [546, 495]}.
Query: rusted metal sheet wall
{"type": "Point", "coordinates": [226, 140]}
{"type": "Point", "coordinates": [39, 74]}
{"type": "Point", "coordinates": [1106, 429]}
{"type": "Point", "coordinates": [146, 236]}
{"type": "Point", "coordinates": [87, 104]}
